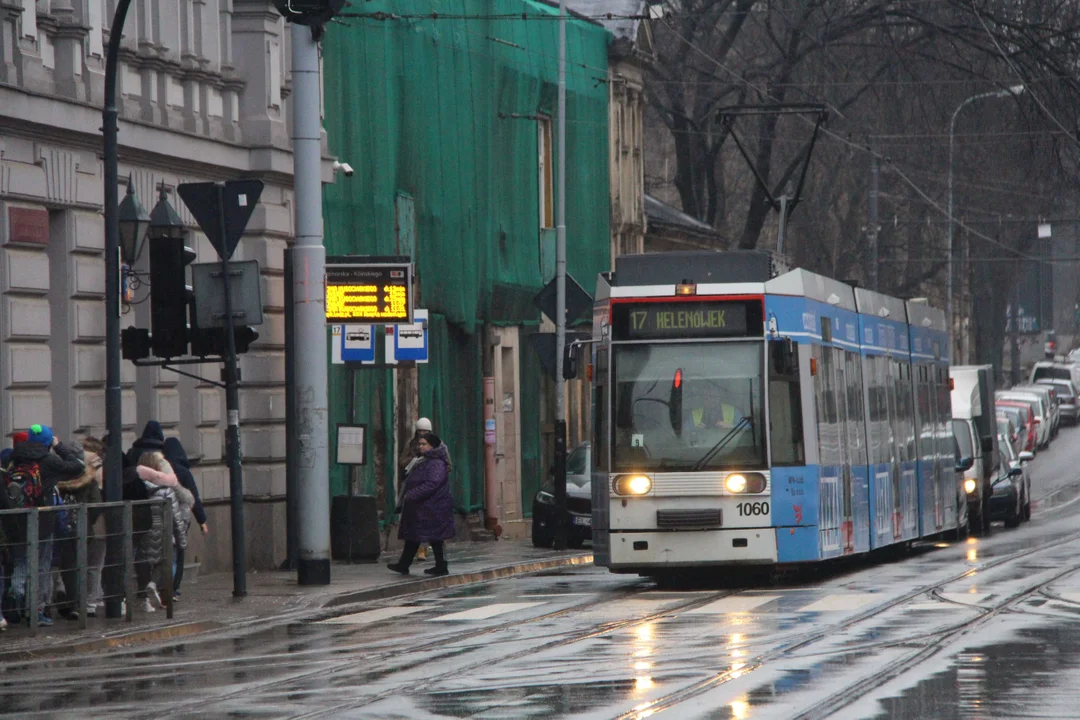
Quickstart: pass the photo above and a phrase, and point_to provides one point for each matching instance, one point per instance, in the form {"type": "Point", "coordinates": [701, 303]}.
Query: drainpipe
{"type": "Point", "coordinates": [492, 508]}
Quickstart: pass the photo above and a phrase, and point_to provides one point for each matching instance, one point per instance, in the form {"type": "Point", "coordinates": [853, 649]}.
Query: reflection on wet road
{"type": "Point", "coordinates": [983, 628]}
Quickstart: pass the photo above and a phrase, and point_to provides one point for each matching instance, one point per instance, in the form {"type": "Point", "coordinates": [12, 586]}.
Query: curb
{"type": "Point", "coordinates": [436, 583]}
{"type": "Point", "coordinates": [112, 642]}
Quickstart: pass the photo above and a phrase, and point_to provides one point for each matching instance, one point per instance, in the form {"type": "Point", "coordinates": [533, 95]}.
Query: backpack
{"type": "Point", "coordinates": [23, 485]}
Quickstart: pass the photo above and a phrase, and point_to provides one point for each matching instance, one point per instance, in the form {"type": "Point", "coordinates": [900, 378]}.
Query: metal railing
{"type": "Point", "coordinates": [39, 544]}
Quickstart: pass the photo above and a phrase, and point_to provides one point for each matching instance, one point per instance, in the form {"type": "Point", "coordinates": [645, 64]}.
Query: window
{"type": "Point", "coordinates": [545, 165]}
{"type": "Point", "coordinates": [785, 409]}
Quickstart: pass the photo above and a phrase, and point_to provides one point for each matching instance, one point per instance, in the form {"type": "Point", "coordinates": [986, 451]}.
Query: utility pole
{"type": "Point", "coordinates": [114, 423]}
{"type": "Point", "coordinates": [1014, 359]}
{"type": "Point", "coordinates": [308, 342]}
{"type": "Point", "coordinates": [560, 297]}
{"type": "Point", "coordinates": [873, 229]}
{"type": "Point", "coordinates": [782, 225]}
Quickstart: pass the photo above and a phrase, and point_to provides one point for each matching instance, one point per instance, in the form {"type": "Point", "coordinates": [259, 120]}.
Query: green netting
{"type": "Point", "coordinates": [423, 107]}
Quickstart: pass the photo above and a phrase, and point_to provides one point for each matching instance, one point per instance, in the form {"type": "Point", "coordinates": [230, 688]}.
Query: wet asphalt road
{"type": "Point", "coordinates": [988, 628]}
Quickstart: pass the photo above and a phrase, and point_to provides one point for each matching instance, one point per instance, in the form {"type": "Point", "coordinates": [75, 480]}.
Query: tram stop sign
{"type": "Point", "coordinates": [237, 202]}
{"type": "Point", "coordinates": [578, 302]}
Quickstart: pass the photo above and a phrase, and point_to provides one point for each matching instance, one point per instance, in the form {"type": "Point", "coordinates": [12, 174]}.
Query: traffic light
{"type": "Point", "coordinates": [135, 343]}
{"type": "Point", "coordinates": [169, 296]}
{"type": "Point", "coordinates": [309, 12]}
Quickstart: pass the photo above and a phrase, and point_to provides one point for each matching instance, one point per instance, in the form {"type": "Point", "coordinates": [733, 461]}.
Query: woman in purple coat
{"type": "Point", "coordinates": [427, 513]}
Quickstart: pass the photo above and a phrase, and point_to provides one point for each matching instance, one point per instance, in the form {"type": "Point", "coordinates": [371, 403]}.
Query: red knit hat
{"type": "Point", "coordinates": [18, 438]}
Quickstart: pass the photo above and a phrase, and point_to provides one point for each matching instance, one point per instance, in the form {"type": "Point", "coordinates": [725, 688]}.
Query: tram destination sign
{"type": "Point", "coordinates": [686, 319]}
{"type": "Point", "coordinates": [369, 290]}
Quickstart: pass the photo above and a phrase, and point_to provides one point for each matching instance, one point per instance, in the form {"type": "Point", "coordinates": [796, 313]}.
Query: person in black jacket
{"type": "Point", "coordinates": [152, 440]}
{"type": "Point", "coordinates": [178, 459]}
{"type": "Point", "coordinates": [53, 462]}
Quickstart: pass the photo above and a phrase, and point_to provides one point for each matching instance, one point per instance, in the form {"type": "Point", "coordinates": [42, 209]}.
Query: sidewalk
{"type": "Point", "coordinates": [208, 605]}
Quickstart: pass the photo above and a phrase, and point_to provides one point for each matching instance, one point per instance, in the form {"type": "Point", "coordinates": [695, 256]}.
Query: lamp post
{"type": "Point", "coordinates": [133, 225]}
{"type": "Point", "coordinates": [1013, 91]}
{"type": "Point", "coordinates": [113, 418]}
{"type": "Point", "coordinates": [165, 223]}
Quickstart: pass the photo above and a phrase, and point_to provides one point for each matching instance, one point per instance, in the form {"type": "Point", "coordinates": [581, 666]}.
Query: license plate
{"type": "Point", "coordinates": [586, 521]}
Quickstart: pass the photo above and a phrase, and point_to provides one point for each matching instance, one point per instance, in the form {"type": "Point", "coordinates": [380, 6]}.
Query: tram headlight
{"type": "Point", "coordinates": [742, 483]}
{"type": "Point", "coordinates": [632, 485]}
{"type": "Point", "coordinates": [970, 485]}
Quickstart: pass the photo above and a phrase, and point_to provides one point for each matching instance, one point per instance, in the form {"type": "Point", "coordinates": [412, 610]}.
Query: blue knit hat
{"type": "Point", "coordinates": [41, 434]}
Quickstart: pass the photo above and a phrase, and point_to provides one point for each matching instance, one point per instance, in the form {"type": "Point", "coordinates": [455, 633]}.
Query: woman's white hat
{"type": "Point", "coordinates": [423, 424]}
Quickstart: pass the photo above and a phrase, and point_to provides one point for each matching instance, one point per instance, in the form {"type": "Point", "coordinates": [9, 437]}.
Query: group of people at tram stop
{"type": "Point", "coordinates": [424, 500]}
{"type": "Point", "coordinates": [41, 471]}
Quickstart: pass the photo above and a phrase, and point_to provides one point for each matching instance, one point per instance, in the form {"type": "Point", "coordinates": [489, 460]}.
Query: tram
{"type": "Point", "coordinates": [745, 413]}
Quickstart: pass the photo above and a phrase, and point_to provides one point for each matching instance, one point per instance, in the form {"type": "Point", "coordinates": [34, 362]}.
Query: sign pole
{"type": "Point", "coordinates": [560, 295]}
{"type": "Point", "coordinates": [232, 430]}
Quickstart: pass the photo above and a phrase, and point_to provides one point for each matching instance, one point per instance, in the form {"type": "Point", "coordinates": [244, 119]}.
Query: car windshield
{"type": "Point", "coordinates": [577, 463]}
{"type": "Point", "coordinates": [1051, 371]}
{"type": "Point", "coordinates": [689, 406]}
{"type": "Point", "coordinates": [1017, 414]}
{"type": "Point", "coordinates": [962, 436]}
{"type": "Point", "coordinates": [1063, 390]}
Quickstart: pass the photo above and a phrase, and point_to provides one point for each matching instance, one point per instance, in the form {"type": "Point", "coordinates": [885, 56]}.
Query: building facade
{"type": "Point", "coordinates": [203, 88]}
{"type": "Point", "coordinates": [453, 143]}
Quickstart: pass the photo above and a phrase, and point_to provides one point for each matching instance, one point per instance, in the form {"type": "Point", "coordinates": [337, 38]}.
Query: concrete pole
{"type": "Point", "coordinates": [114, 423]}
{"type": "Point", "coordinates": [560, 297]}
{"type": "Point", "coordinates": [308, 342]}
{"type": "Point", "coordinates": [782, 227]}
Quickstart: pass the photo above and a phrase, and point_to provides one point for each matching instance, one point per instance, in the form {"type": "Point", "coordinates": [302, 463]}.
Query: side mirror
{"type": "Point", "coordinates": [570, 362]}
{"type": "Point", "coordinates": [675, 402]}
{"type": "Point", "coordinates": [964, 464]}
{"type": "Point", "coordinates": [1016, 471]}
{"type": "Point", "coordinates": [1027, 456]}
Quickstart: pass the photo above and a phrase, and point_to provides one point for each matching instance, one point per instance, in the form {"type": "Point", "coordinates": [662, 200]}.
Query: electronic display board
{"type": "Point", "coordinates": [371, 291]}
{"type": "Point", "coordinates": [686, 319]}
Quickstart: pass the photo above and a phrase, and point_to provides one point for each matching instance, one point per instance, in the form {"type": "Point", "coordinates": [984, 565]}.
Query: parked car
{"type": "Point", "coordinates": [1052, 402]}
{"type": "Point", "coordinates": [1023, 417]}
{"type": "Point", "coordinates": [1007, 432]}
{"type": "Point", "coordinates": [1067, 398]}
{"type": "Point", "coordinates": [578, 503]}
{"type": "Point", "coordinates": [1049, 369]}
{"type": "Point", "coordinates": [1011, 499]}
{"type": "Point", "coordinates": [1042, 412]}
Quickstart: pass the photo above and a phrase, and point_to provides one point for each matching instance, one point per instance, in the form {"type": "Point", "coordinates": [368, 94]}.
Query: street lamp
{"type": "Point", "coordinates": [1010, 91]}
{"type": "Point", "coordinates": [133, 223]}
{"type": "Point", "coordinates": [165, 224]}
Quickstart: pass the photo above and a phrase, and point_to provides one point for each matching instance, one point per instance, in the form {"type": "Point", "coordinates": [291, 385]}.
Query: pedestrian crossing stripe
{"type": "Point", "coordinates": [839, 603]}
{"type": "Point", "coordinates": [371, 616]}
{"type": "Point", "coordinates": [734, 605]}
{"type": "Point", "coordinates": [488, 611]}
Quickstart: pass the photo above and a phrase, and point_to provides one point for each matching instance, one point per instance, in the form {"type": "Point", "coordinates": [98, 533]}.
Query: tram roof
{"type": "Point", "coordinates": [701, 267]}
{"type": "Point", "coordinates": [879, 305]}
{"type": "Point", "coordinates": [922, 315]}
{"type": "Point", "coordinates": [816, 287]}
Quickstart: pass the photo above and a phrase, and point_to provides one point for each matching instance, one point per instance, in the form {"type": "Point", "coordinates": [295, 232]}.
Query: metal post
{"type": "Point", "coordinates": [308, 341]}
{"type": "Point", "coordinates": [33, 590]}
{"type": "Point", "coordinates": [782, 229]}
{"type": "Point", "coordinates": [82, 526]}
{"type": "Point", "coordinates": [114, 425]}
{"type": "Point", "coordinates": [560, 297]}
{"type": "Point", "coordinates": [129, 560]}
{"type": "Point", "coordinates": [873, 221]}
{"type": "Point", "coordinates": [291, 466]}
{"type": "Point", "coordinates": [232, 407]}
{"type": "Point", "coordinates": [167, 555]}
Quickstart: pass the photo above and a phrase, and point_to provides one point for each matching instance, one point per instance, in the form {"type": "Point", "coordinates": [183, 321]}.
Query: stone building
{"type": "Point", "coordinates": [204, 88]}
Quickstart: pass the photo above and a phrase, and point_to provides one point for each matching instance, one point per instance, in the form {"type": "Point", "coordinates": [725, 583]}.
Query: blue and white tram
{"type": "Point", "coordinates": [744, 414]}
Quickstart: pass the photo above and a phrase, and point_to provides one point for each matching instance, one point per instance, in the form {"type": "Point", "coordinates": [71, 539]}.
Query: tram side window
{"type": "Point", "coordinates": [855, 410]}
{"type": "Point", "coordinates": [785, 409]}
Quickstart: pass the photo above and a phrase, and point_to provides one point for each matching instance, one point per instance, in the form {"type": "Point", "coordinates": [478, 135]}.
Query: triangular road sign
{"type": "Point", "coordinates": [239, 199]}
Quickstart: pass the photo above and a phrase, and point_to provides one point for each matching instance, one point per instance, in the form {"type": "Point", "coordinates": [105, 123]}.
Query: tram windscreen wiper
{"type": "Point", "coordinates": [723, 442]}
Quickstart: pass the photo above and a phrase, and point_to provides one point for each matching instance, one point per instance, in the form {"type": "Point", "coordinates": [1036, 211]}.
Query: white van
{"type": "Point", "coordinates": [1048, 370]}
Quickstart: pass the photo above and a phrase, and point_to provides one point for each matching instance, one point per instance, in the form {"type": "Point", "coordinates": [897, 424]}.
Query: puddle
{"type": "Point", "coordinates": [1001, 680]}
{"type": "Point", "coordinates": [528, 702]}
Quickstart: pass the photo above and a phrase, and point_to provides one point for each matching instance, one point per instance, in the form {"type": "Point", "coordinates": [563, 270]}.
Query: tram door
{"type": "Point", "coordinates": [600, 457]}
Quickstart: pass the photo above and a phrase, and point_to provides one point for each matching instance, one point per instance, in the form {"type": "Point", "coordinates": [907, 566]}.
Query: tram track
{"type": "Point", "coordinates": [681, 695]}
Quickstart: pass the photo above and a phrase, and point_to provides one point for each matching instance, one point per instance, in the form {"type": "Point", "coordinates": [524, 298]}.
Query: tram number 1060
{"type": "Point", "coordinates": [747, 509]}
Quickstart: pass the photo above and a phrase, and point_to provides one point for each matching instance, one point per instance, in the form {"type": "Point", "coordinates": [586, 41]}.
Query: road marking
{"type": "Point", "coordinates": [371, 616]}
{"type": "Point", "coordinates": [965, 598]}
{"type": "Point", "coordinates": [837, 603]}
{"type": "Point", "coordinates": [734, 605]}
{"type": "Point", "coordinates": [1073, 597]}
{"type": "Point", "coordinates": [556, 595]}
{"type": "Point", "coordinates": [484, 613]}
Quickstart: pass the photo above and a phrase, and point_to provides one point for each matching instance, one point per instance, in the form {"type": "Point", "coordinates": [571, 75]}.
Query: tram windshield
{"type": "Point", "coordinates": [689, 406]}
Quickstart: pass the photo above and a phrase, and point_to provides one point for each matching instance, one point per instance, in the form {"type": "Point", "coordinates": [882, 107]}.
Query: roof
{"type": "Point", "coordinates": [622, 27]}
{"type": "Point", "coordinates": [661, 213]}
